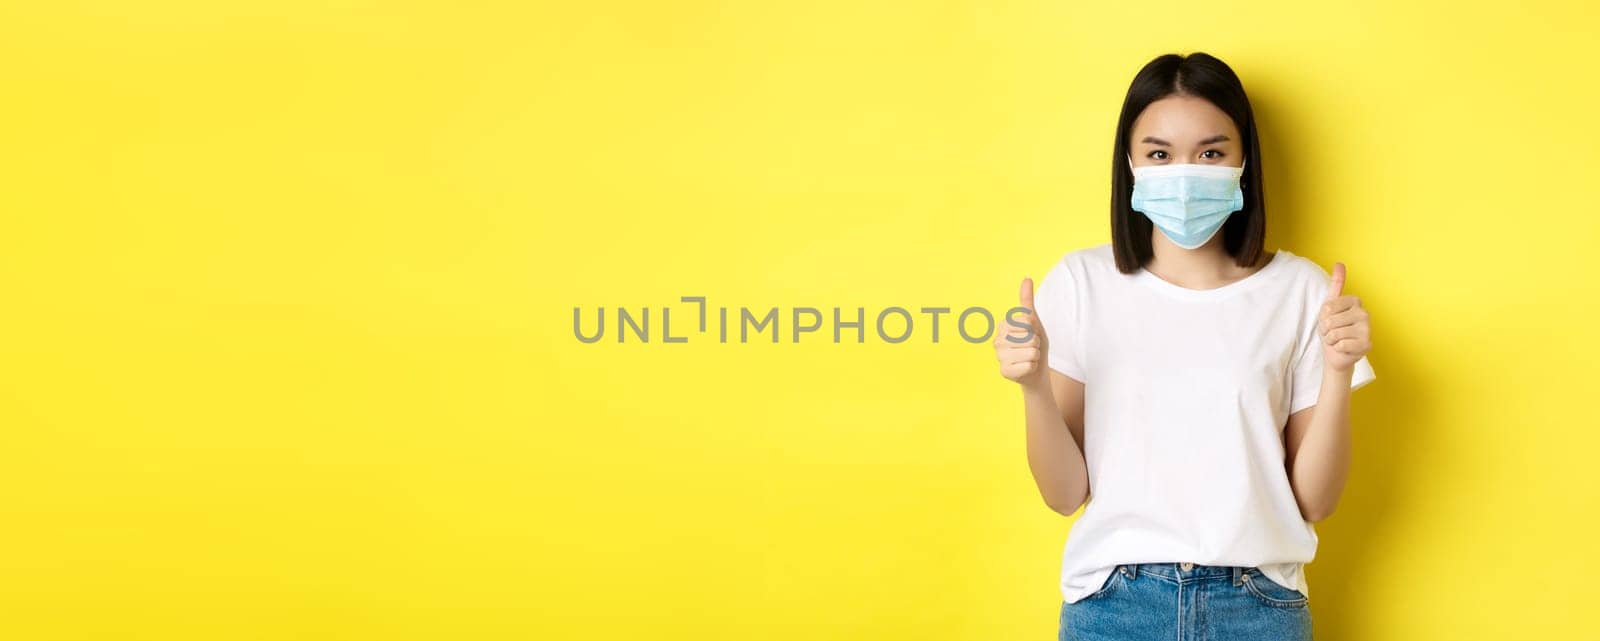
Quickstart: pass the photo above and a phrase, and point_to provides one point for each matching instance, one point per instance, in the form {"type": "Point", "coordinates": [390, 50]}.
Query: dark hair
{"type": "Point", "coordinates": [1203, 76]}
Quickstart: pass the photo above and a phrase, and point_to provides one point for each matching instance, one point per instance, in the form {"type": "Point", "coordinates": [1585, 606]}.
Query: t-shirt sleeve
{"type": "Point", "coordinates": [1059, 311]}
{"type": "Point", "coordinates": [1306, 383]}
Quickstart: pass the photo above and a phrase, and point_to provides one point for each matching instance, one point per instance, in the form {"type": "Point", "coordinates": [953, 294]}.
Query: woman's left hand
{"type": "Point", "coordinates": [1346, 336]}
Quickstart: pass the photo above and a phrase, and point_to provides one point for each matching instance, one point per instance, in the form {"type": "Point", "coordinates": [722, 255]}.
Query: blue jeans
{"type": "Point", "coordinates": [1187, 601]}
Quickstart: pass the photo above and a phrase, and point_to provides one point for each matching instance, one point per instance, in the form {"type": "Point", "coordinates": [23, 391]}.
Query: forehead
{"type": "Point", "coordinates": [1179, 118]}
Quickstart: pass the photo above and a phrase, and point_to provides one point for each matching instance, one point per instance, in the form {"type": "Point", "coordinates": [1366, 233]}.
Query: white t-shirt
{"type": "Point", "coordinates": [1187, 393]}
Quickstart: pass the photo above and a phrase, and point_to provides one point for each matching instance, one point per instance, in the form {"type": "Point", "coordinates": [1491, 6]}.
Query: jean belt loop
{"type": "Point", "coordinates": [1238, 574]}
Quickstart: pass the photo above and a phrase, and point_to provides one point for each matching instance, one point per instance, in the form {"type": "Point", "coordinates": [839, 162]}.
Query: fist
{"type": "Point", "coordinates": [1022, 356]}
{"type": "Point", "coordinates": [1346, 336]}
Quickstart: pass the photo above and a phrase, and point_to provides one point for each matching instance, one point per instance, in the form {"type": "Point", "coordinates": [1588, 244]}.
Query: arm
{"type": "Point", "coordinates": [1054, 413]}
{"type": "Point", "coordinates": [1050, 402]}
{"type": "Point", "coordinates": [1317, 444]}
{"type": "Point", "coordinates": [1317, 438]}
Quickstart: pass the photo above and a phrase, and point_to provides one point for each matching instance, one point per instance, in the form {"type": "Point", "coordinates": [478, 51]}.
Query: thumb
{"type": "Point", "coordinates": [1336, 286]}
{"type": "Point", "coordinates": [1025, 297]}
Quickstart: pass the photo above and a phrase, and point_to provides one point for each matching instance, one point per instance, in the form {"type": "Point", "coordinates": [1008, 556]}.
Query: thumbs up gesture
{"type": "Point", "coordinates": [1021, 355]}
{"type": "Point", "coordinates": [1346, 336]}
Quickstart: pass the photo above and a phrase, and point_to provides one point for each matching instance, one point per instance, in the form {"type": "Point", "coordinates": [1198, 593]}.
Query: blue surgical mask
{"type": "Point", "coordinates": [1187, 202]}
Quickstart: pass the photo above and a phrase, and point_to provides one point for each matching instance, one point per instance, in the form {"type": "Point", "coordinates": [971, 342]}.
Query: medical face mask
{"type": "Point", "coordinates": [1187, 202]}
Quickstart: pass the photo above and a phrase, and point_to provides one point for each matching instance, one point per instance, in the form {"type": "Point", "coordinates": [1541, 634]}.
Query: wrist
{"type": "Point", "coordinates": [1346, 371]}
{"type": "Point", "coordinates": [1037, 386]}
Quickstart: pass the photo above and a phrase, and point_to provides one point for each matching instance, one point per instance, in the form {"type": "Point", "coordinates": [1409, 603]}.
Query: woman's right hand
{"type": "Point", "coordinates": [1021, 355]}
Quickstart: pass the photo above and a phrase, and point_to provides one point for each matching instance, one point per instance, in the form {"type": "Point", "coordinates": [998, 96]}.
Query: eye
{"type": "Point", "coordinates": [1218, 152]}
{"type": "Point", "coordinates": [1152, 154]}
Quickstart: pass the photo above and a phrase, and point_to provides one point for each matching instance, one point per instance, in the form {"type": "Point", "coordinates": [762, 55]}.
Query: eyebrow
{"type": "Point", "coordinates": [1157, 141]}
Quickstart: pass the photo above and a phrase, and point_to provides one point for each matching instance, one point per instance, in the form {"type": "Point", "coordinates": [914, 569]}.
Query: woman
{"type": "Point", "coordinates": [1193, 389]}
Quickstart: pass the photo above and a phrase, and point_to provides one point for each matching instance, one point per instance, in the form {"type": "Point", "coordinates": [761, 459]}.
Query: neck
{"type": "Point", "coordinates": [1205, 267]}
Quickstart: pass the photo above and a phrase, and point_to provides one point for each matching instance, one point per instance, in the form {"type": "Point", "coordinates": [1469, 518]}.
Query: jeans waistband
{"type": "Point", "coordinates": [1183, 572]}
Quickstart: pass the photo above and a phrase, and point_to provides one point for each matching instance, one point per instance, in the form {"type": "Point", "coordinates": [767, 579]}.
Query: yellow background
{"type": "Point", "coordinates": [287, 347]}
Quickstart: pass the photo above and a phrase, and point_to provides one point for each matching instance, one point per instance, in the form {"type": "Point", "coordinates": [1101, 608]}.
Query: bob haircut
{"type": "Point", "coordinates": [1202, 76]}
